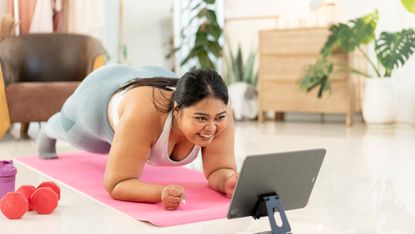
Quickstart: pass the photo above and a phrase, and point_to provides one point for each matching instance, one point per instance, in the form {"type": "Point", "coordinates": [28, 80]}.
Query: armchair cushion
{"type": "Point", "coordinates": [36, 101]}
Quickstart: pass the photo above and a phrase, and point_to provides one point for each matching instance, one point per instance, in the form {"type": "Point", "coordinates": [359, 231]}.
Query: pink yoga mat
{"type": "Point", "coordinates": [84, 172]}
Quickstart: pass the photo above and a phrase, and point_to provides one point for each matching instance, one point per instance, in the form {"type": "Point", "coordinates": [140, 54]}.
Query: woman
{"type": "Point", "coordinates": [143, 116]}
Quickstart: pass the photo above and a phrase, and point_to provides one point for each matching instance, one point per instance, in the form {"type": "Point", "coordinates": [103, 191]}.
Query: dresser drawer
{"type": "Point", "coordinates": [288, 97]}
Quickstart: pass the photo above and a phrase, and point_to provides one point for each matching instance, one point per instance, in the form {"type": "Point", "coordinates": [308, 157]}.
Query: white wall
{"type": "Point", "coordinates": [149, 24]}
{"type": "Point", "coordinates": [287, 14]}
{"type": "Point", "coordinates": [111, 21]}
{"type": "Point", "coordinates": [279, 14]}
{"type": "Point", "coordinates": [148, 29]}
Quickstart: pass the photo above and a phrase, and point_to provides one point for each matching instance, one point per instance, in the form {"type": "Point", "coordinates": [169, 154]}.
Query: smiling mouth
{"type": "Point", "coordinates": [205, 136]}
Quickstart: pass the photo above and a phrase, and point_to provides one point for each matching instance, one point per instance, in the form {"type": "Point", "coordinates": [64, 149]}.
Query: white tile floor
{"type": "Point", "coordinates": [366, 184]}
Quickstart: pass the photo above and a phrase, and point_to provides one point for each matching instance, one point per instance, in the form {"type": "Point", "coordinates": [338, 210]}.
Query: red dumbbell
{"type": "Point", "coordinates": [27, 191]}
{"type": "Point", "coordinates": [45, 198]}
{"type": "Point", "coordinates": [14, 205]}
{"type": "Point", "coordinates": [53, 186]}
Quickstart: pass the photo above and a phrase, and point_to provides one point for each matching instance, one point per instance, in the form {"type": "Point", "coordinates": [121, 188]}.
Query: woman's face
{"type": "Point", "coordinates": [203, 121]}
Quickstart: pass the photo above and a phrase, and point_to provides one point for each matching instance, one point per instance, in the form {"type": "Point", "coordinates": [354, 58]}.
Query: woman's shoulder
{"type": "Point", "coordinates": [139, 105]}
{"type": "Point", "coordinates": [149, 99]}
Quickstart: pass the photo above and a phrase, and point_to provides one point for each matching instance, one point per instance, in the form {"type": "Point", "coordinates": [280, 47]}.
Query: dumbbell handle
{"type": "Point", "coordinates": [27, 191]}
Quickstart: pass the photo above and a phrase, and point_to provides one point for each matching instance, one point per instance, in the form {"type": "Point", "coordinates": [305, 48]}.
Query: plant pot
{"type": "Point", "coordinates": [406, 103]}
{"type": "Point", "coordinates": [244, 100]}
{"type": "Point", "coordinates": [380, 101]}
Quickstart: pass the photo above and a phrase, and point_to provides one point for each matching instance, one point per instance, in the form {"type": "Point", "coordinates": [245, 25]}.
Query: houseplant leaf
{"type": "Point", "coordinates": [214, 30]}
{"type": "Point", "coordinates": [211, 16]}
{"type": "Point", "coordinates": [348, 36]}
{"type": "Point", "coordinates": [201, 37]}
{"type": "Point", "coordinates": [196, 6]}
{"type": "Point", "coordinates": [230, 75]}
{"type": "Point", "coordinates": [171, 53]}
{"type": "Point", "coordinates": [316, 75]}
{"type": "Point", "coordinates": [215, 48]}
{"type": "Point", "coordinates": [364, 27]}
{"type": "Point", "coordinates": [249, 69]}
{"type": "Point", "coordinates": [209, 1]}
{"type": "Point", "coordinates": [204, 60]}
{"type": "Point", "coordinates": [394, 49]}
{"type": "Point", "coordinates": [238, 70]}
{"type": "Point", "coordinates": [332, 42]}
{"type": "Point", "coordinates": [231, 66]}
{"type": "Point", "coordinates": [239, 64]}
{"type": "Point", "coordinates": [358, 31]}
{"type": "Point", "coordinates": [192, 54]}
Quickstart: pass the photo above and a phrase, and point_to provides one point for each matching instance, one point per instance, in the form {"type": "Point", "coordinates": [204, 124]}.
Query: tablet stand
{"type": "Point", "coordinates": [271, 202]}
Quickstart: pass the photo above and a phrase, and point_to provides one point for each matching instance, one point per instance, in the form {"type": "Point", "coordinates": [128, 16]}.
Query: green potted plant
{"type": "Point", "coordinates": [241, 79]}
{"type": "Point", "coordinates": [392, 49]}
{"type": "Point", "coordinates": [205, 39]}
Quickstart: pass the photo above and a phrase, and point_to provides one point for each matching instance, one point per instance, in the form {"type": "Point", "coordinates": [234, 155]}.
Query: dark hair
{"type": "Point", "coordinates": [191, 88]}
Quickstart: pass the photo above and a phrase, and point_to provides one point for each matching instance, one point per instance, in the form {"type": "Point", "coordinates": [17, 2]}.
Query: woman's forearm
{"type": "Point", "coordinates": [137, 191]}
{"type": "Point", "coordinates": [218, 178]}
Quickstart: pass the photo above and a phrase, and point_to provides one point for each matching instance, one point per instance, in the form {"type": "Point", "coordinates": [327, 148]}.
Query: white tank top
{"type": "Point", "coordinates": [159, 155]}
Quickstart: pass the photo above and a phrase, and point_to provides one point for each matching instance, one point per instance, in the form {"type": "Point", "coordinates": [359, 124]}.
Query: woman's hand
{"type": "Point", "coordinates": [230, 184]}
{"type": "Point", "coordinates": [172, 196]}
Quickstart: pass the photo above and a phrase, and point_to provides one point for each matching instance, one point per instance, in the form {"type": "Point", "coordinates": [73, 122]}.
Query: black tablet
{"type": "Point", "coordinates": [290, 175]}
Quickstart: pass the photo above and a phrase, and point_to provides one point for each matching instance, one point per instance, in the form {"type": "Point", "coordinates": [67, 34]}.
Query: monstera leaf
{"type": "Point", "coordinates": [394, 49]}
{"type": "Point", "coordinates": [333, 41]}
{"type": "Point", "coordinates": [364, 27]}
{"type": "Point", "coordinates": [349, 36]}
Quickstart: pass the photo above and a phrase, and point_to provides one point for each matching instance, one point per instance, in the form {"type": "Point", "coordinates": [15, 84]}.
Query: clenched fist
{"type": "Point", "coordinates": [172, 196]}
{"type": "Point", "coordinates": [230, 184]}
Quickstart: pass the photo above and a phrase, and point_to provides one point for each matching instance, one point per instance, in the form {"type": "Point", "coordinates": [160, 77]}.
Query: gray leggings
{"type": "Point", "coordinates": [83, 121]}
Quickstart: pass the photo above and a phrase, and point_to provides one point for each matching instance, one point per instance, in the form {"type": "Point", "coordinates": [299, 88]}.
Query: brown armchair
{"type": "Point", "coordinates": [39, 72]}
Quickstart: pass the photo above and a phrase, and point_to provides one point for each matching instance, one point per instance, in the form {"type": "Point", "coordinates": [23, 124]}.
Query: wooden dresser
{"type": "Point", "coordinates": [283, 56]}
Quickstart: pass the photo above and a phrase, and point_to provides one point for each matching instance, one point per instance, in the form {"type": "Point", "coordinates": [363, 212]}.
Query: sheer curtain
{"type": "Point", "coordinates": [26, 10]}
{"type": "Point", "coordinates": [42, 21]}
{"type": "Point", "coordinates": [86, 17]}
{"type": "Point", "coordinates": [5, 7]}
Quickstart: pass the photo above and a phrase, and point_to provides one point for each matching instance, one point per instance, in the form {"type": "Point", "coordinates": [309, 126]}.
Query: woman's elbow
{"type": "Point", "coordinates": [109, 185]}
